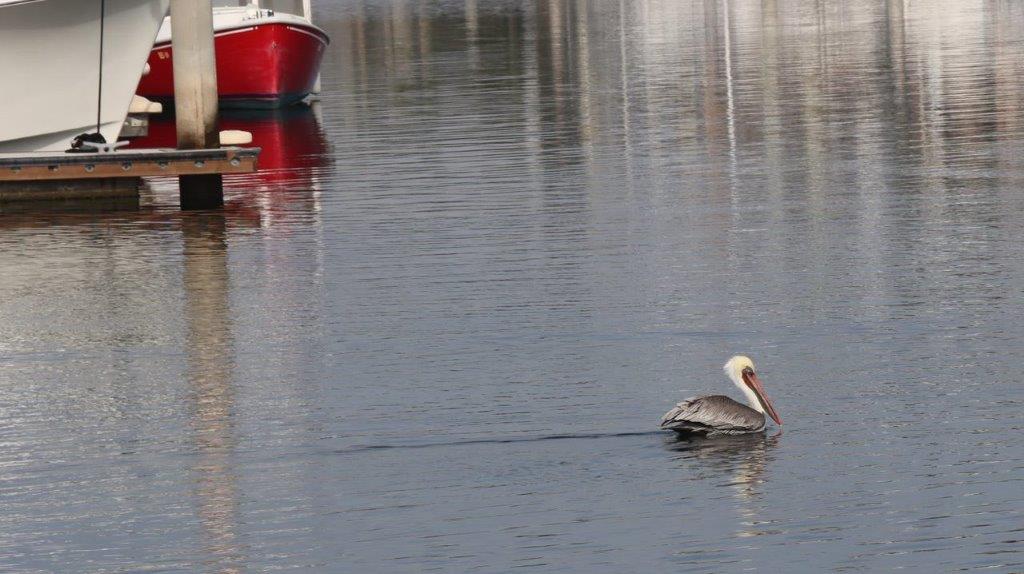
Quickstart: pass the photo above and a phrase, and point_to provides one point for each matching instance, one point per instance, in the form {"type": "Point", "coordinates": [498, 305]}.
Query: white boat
{"type": "Point", "coordinates": [50, 68]}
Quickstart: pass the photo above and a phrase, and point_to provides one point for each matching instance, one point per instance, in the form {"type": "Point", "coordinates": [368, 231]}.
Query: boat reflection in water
{"type": "Point", "coordinates": [293, 157]}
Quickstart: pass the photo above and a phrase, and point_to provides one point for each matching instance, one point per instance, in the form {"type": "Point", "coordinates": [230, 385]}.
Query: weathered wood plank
{"type": "Point", "coordinates": [129, 163]}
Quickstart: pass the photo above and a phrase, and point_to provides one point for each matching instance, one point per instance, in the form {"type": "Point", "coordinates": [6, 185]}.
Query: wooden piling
{"type": "Point", "coordinates": [195, 96]}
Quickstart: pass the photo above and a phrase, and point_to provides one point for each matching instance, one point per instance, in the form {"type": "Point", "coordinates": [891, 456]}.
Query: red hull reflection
{"type": "Point", "coordinates": [293, 153]}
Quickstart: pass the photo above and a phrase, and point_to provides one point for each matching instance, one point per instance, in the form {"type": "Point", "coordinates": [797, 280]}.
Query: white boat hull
{"type": "Point", "coordinates": [49, 68]}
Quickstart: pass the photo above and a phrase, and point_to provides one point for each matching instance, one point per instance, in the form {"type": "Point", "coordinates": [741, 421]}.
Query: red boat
{"type": "Point", "coordinates": [265, 59]}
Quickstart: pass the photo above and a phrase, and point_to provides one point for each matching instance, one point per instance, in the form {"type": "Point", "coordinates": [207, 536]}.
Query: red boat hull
{"type": "Point", "coordinates": [260, 66]}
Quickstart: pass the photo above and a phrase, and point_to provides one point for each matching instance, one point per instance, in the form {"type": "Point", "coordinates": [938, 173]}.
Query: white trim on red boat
{"type": "Point", "coordinates": [227, 20]}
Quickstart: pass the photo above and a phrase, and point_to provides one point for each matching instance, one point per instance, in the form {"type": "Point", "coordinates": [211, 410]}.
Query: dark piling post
{"type": "Point", "coordinates": [195, 96]}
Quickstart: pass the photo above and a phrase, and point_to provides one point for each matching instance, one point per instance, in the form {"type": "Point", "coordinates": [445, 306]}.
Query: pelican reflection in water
{"type": "Point", "coordinates": [718, 414]}
{"type": "Point", "coordinates": [741, 460]}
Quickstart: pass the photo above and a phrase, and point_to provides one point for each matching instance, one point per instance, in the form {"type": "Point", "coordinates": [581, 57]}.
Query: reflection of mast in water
{"type": "Point", "coordinates": [472, 35]}
{"type": "Point", "coordinates": [730, 106]}
{"type": "Point", "coordinates": [743, 458]}
{"type": "Point", "coordinates": [210, 366]}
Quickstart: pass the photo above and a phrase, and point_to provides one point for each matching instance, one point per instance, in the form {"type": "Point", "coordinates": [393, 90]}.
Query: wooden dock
{"type": "Point", "coordinates": [35, 176]}
{"type": "Point", "coordinates": [199, 161]}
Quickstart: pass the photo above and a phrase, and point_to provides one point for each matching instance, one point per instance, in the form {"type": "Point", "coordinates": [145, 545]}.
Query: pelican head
{"type": "Point", "coordinates": [740, 369]}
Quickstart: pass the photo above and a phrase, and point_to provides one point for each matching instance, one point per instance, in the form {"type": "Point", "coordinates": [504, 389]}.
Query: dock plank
{"type": "Point", "coordinates": [126, 163]}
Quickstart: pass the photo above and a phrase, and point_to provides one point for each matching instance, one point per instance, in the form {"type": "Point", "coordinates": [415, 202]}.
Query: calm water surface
{"type": "Point", "coordinates": [437, 331]}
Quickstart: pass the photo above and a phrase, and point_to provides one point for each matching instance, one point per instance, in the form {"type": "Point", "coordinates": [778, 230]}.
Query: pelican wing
{"type": "Point", "coordinates": [714, 413]}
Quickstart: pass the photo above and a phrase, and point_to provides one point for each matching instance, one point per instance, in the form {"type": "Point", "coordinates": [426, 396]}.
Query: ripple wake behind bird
{"type": "Point", "coordinates": [371, 447]}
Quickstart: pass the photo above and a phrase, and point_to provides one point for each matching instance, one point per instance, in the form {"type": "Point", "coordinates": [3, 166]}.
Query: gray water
{"type": "Point", "coordinates": [437, 331]}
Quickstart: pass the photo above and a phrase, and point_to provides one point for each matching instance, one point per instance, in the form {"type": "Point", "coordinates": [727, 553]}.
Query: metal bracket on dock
{"type": "Point", "coordinates": [97, 147]}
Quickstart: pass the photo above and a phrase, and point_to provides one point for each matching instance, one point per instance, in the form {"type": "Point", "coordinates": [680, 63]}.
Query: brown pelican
{"type": "Point", "coordinates": [718, 414]}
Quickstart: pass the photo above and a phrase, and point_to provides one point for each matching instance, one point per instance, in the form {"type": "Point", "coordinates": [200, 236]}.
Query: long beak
{"type": "Point", "coordinates": [754, 383]}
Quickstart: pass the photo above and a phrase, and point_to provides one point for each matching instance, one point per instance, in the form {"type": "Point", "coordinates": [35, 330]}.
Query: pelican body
{"type": "Point", "coordinates": [720, 415]}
